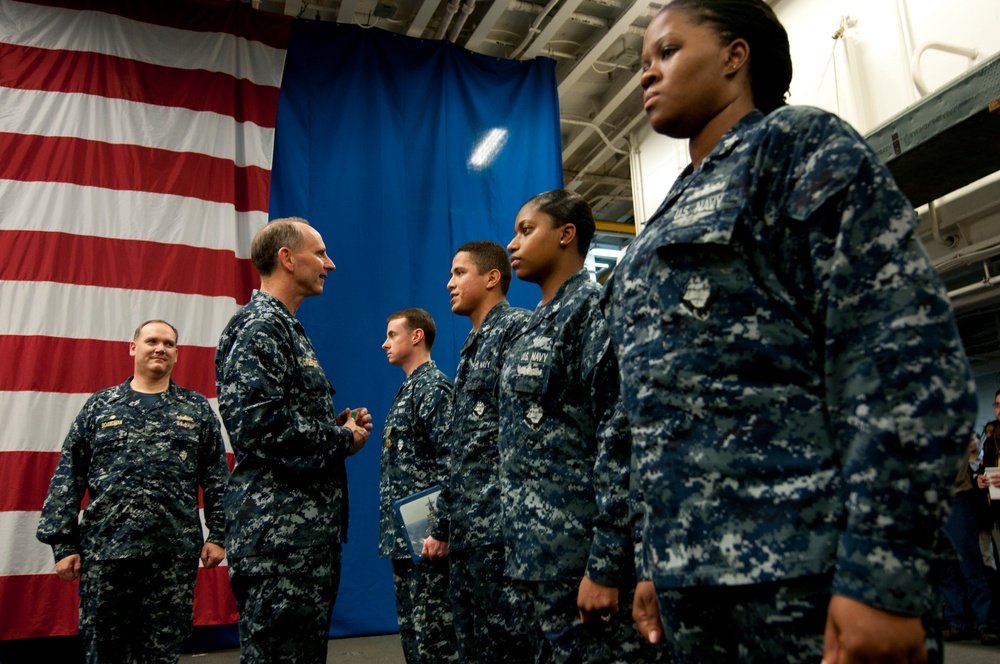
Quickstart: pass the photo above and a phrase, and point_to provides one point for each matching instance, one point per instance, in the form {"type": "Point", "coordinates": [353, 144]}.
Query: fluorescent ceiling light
{"type": "Point", "coordinates": [488, 148]}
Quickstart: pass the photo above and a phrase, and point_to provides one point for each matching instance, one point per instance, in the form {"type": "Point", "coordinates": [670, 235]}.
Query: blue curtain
{"type": "Point", "coordinates": [373, 146]}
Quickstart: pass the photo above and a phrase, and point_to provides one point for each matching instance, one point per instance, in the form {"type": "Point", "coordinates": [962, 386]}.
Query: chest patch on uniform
{"type": "Point", "coordinates": [696, 297]}
{"type": "Point", "coordinates": [185, 421]}
{"type": "Point", "coordinates": [534, 416]}
{"type": "Point", "coordinates": [310, 362]}
{"type": "Point", "coordinates": [113, 421]}
{"type": "Point", "coordinates": [479, 409]}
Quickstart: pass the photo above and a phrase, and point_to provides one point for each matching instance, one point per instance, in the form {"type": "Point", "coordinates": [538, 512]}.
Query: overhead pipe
{"type": "Point", "coordinates": [600, 133]}
{"type": "Point", "coordinates": [460, 21]}
{"type": "Point", "coordinates": [533, 28]}
{"type": "Point", "coordinates": [449, 13]}
{"type": "Point", "coordinates": [987, 282]}
{"type": "Point", "coordinates": [918, 77]}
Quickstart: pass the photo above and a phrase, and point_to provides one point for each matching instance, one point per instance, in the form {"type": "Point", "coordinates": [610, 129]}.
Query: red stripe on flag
{"type": "Point", "coordinates": [29, 68]}
{"type": "Point", "coordinates": [58, 364]}
{"type": "Point", "coordinates": [86, 260]}
{"type": "Point", "coordinates": [33, 158]}
{"type": "Point", "coordinates": [236, 18]}
{"type": "Point", "coordinates": [46, 606]}
{"type": "Point", "coordinates": [24, 479]}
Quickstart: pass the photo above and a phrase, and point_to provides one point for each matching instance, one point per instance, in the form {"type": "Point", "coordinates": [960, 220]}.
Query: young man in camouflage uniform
{"type": "Point", "coordinates": [140, 449]}
{"type": "Point", "coordinates": [286, 502]}
{"type": "Point", "coordinates": [414, 458]}
{"type": "Point", "coordinates": [488, 618]}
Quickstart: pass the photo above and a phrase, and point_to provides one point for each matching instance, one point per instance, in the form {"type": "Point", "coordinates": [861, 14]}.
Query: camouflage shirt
{"type": "Point", "coordinates": [414, 449]}
{"type": "Point", "coordinates": [472, 487]}
{"type": "Point", "coordinates": [797, 391]}
{"type": "Point", "coordinates": [563, 461]}
{"type": "Point", "coordinates": [141, 466]}
{"type": "Point", "coordinates": [289, 487]}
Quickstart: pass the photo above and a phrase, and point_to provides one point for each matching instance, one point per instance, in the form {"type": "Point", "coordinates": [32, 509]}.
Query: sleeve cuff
{"type": "Point", "coordinates": [60, 551]}
{"type": "Point", "coordinates": [610, 562]}
{"type": "Point", "coordinates": [892, 576]}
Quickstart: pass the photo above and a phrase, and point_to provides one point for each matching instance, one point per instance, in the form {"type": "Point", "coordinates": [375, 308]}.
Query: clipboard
{"type": "Point", "coordinates": [416, 515]}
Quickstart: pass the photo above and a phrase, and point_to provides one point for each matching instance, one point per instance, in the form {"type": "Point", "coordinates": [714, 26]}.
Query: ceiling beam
{"type": "Point", "coordinates": [346, 13]}
{"type": "Point", "coordinates": [620, 96]}
{"type": "Point", "coordinates": [597, 179]}
{"type": "Point", "coordinates": [597, 51]}
{"type": "Point", "coordinates": [615, 227]}
{"type": "Point", "coordinates": [602, 152]}
{"type": "Point", "coordinates": [486, 24]}
{"type": "Point", "coordinates": [554, 25]}
{"type": "Point", "coordinates": [423, 17]}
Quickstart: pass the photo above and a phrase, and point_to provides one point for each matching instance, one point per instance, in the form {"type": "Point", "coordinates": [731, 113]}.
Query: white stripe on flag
{"type": "Point", "coordinates": [119, 121]}
{"type": "Point", "coordinates": [21, 552]}
{"type": "Point", "coordinates": [27, 433]}
{"type": "Point", "coordinates": [126, 215]}
{"type": "Point", "coordinates": [97, 32]}
{"type": "Point", "coordinates": [90, 312]}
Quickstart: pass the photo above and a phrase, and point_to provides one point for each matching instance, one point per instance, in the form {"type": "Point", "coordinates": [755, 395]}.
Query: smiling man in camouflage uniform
{"type": "Point", "coordinates": [414, 458]}
{"type": "Point", "coordinates": [140, 450]}
{"type": "Point", "coordinates": [286, 503]}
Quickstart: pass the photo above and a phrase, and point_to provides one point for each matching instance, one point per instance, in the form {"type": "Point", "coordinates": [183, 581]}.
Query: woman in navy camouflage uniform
{"type": "Point", "coordinates": [796, 389]}
{"type": "Point", "coordinates": [564, 454]}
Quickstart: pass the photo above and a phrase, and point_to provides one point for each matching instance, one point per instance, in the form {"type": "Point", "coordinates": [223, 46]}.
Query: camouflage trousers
{"type": "Point", "coordinates": [139, 608]}
{"type": "Point", "coordinates": [423, 607]}
{"type": "Point", "coordinates": [761, 623]}
{"type": "Point", "coordinates": [551, 605]}
{"type": "Point", "coordinates": [285, 601]}
{"type": "Point", "coordinates": [489, 620]}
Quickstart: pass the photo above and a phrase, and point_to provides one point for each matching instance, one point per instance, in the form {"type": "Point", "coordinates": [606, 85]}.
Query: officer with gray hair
{"type": "Point", "coordinates": [286, 503]}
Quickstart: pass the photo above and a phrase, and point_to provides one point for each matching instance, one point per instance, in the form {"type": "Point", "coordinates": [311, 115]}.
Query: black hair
{"type": "Point", "coordinates": [487, 255]}
{"type": "Point", "coordinates": [756, 23]}
{"type": "Point", "coordinates": [568, 207]}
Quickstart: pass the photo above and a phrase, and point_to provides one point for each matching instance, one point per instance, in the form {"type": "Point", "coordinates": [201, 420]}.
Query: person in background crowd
{"type": "Point", "coordinates": [794, 380]}
{"type": "Point", "coordinates": [140, 450]}
{"type": "Point", "coordinates": [963, 582]}
{"type": "Point", "coordinates": [286, 502]}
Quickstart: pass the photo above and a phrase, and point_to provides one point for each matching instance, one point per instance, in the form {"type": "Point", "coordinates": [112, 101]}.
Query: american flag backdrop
{"type": "Point", "coordinates": [135, 161]}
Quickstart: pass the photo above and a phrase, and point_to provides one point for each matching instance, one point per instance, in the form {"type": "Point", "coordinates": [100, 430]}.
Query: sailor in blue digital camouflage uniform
{"type": "Point", "coordinates": [564, 449]}
{"type": "Point", "coordinates": [796, 389]}
{"type": "Point", "coordinates": [286, 502]}
{"type": "Point", "coordinates": [415, 458]}
{"type": "Point", "coordinates": [140, 450]}
{"type": "Point", "coordinates": [489, 620]}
